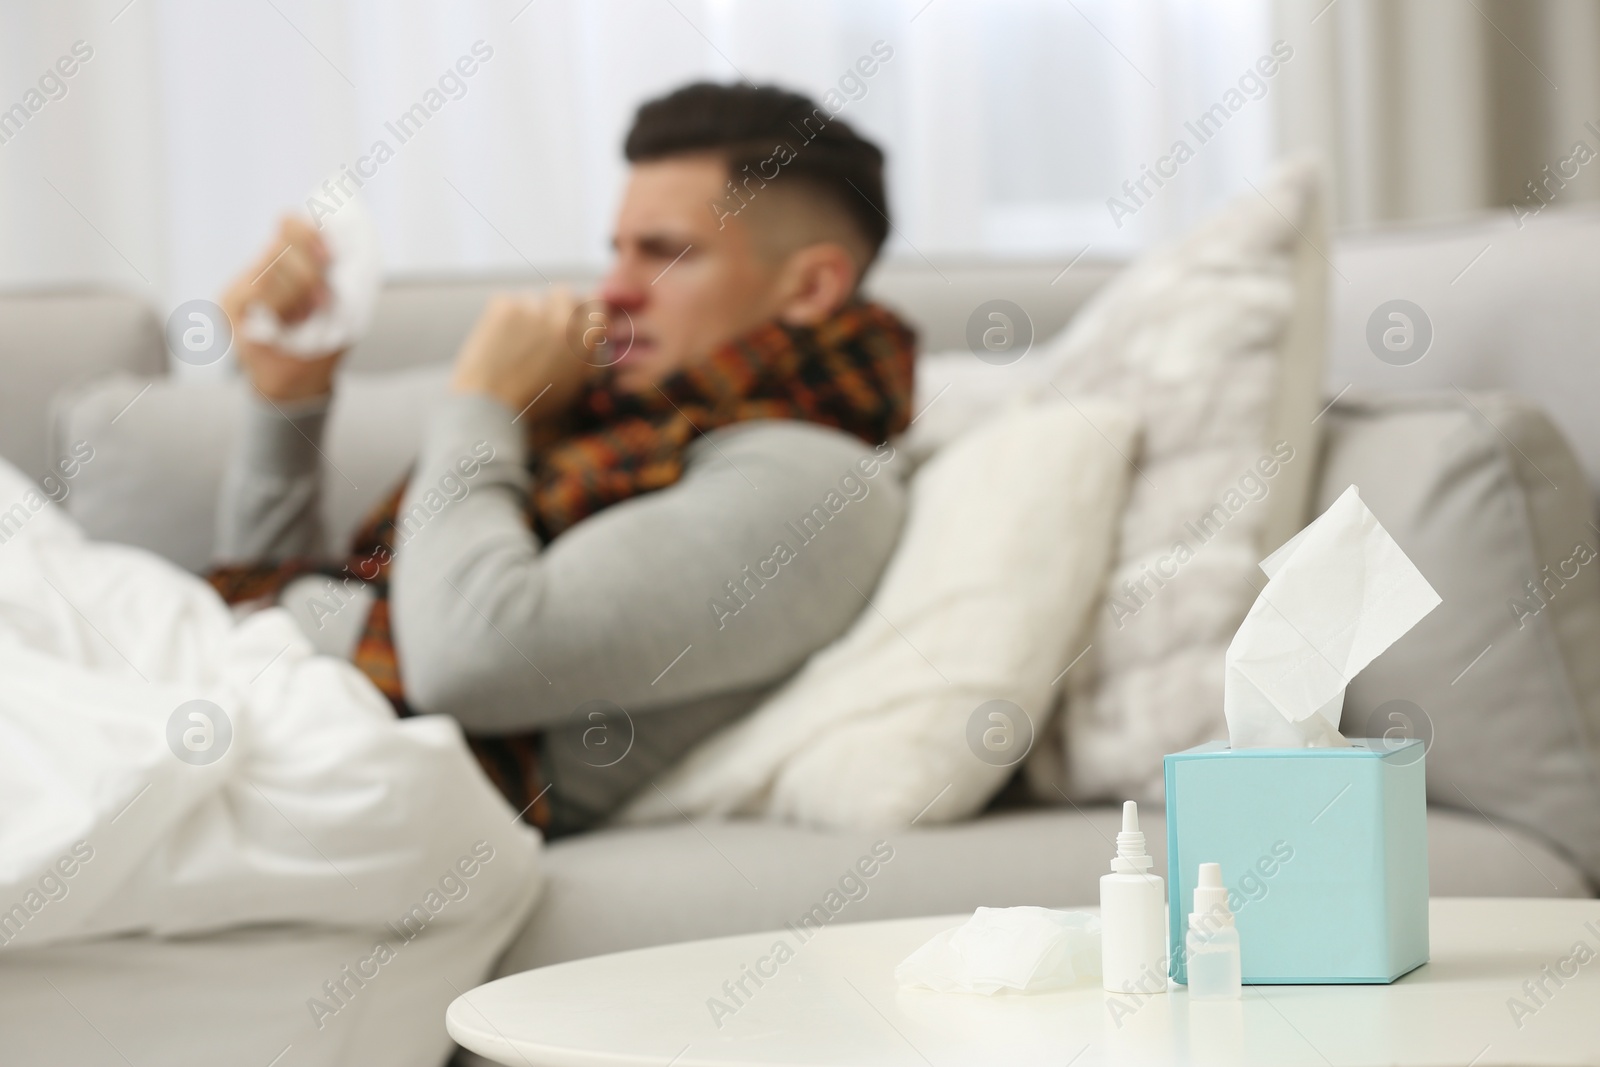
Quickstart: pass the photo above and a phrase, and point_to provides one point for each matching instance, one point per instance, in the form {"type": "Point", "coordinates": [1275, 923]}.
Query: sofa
{"type": "Point", "coordinates": [78, 363]}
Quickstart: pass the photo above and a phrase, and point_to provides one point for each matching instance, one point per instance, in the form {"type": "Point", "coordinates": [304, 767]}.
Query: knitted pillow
{"type": "Point", "coordinates": [1217, 343]}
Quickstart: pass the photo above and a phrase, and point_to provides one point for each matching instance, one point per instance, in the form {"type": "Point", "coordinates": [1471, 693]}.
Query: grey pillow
{"type": "Point", "coordinates": [1483, 494]}
{"type": "Point", "coordinates": [160, 447]}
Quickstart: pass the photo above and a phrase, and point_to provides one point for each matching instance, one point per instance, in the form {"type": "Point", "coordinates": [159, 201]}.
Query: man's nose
{"type": "Point", "coordinates": [621, 288]}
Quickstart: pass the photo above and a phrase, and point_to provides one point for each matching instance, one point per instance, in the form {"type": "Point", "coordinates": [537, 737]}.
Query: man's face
{"type": "Point", "coordinates": [687, 284]}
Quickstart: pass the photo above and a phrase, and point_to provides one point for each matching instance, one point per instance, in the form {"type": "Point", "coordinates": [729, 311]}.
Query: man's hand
{"type": "Point", "coordinates": [518, 353]}
{"type": "Point", "coordinates": [290, 277]}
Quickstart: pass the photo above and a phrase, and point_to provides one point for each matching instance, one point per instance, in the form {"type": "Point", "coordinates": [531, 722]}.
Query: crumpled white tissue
{"type": "Point", "coordinates": [1338, 593]}
{"type": "Point", "coordinates": [355, 273]}
{"type": "Point", "coordinates": [1021, 950]}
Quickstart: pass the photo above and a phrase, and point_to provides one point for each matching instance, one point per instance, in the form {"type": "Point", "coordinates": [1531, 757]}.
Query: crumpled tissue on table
{"type": "Point", "coordinates": [1000, 950]}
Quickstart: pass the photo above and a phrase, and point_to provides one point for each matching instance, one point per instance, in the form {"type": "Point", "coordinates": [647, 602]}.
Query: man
{"type": "Point", "coordinates": [671, 536]}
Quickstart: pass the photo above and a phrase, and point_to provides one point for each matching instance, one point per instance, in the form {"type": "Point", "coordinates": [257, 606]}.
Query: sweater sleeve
{"type": "Point", "coordinates": [269, 508]}
{"type": "Point", "coordinates": [762, 553]}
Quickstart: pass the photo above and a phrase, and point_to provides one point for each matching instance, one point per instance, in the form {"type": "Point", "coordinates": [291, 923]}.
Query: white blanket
{"type": "Point", "coordinates": [322, 808]}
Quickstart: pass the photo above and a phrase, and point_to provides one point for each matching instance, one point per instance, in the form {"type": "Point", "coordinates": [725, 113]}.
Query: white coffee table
{"type": "Point", "coordinates": [835, 1002]}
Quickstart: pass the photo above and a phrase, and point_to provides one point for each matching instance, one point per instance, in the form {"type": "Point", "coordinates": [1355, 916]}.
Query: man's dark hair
{"type": "Point", "coordinates": [746, 124]}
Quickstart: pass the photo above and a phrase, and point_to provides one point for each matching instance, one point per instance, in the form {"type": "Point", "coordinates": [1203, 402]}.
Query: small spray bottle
{"type": "Point", "coordinates": [1133, 923]}
{"type": "Point", "coordinates": [1213, 941]}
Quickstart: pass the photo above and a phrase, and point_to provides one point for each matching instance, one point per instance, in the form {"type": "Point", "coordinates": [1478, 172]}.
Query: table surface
{"type": "Point", "coordinates": [836, 1002]}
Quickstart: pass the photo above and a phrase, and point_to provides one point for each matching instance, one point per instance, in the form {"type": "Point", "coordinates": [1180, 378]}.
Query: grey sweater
{"type": "Point", "coordinates": [631, 636]}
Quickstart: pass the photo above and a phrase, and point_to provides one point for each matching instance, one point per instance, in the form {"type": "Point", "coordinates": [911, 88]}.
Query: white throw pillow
{"type": "Point", "coordinates": [1217, 342]}
{"type": "Point", "coordinates": [1002, 558]}
{"type": "Point", "coordinates": [955, 391]}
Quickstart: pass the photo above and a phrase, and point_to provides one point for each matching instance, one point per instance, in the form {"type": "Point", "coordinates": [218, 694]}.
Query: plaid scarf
{"type": "Point", "coordinates": [852, 372]}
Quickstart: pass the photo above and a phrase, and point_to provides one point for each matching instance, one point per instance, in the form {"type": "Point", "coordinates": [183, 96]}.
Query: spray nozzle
{"type": "Point", "coordinates": [1131, 856]}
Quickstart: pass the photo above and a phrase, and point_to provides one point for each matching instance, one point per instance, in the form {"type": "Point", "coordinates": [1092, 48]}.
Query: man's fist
{"type": "Point", "coordinates": [518, 353]}
{"type": "Point", "coordinates": [290, 277]}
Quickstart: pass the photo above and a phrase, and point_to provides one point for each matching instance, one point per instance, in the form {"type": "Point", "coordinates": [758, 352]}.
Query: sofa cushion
{"type": "Point", "coordinates": [630, 888]}
{"type": "Point", "coordinates": [1483, 494]}
{"type": "Point", "coordinates": [160, 447]}
{"type": "Point", "coordinates": [1510, 304]}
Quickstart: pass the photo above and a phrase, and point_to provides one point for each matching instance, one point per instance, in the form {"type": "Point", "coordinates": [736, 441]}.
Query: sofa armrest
{"type": "Point", "coordinates": [56, 340]}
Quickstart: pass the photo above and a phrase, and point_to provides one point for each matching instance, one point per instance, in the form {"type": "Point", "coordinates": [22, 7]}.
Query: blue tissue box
{"type": "Point", "coordinates": [1324, 852]}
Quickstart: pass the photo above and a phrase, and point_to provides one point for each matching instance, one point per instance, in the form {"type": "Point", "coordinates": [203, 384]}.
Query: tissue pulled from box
{"type": "Point", "coordinates": [355, 274]}
{"type": "Point", "coordinates": [1338, 593]}
{"type": "Point", "coordinates": [998, 950]}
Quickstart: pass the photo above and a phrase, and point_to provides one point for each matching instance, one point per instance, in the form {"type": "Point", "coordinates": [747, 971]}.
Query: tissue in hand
{"type": "Point", "coordinates": [1023, 950]}
{"type": "Point", "coordinates": [355, 273]}
{"type": "Point", "coordinates": [1338, 593]}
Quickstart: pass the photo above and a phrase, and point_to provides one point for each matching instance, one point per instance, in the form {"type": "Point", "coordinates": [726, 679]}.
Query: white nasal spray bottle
{"type": "Point", "coordinates": [1212, 947]}
{"type": "Point", "coordinates": [1133, 916]}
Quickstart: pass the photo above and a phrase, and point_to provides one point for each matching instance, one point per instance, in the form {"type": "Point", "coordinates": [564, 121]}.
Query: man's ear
{"type": "Point", "coordinates": [815, 282]}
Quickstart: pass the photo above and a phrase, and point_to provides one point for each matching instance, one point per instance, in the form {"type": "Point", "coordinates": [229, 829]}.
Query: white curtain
{"type": "Point", "coordinates": [1011, 125]}
{"type": "Point", "coordinates": [1430, 109]}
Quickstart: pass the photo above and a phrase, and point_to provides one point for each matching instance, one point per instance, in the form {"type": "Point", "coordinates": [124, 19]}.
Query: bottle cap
{"type": "Point", "coordinates": [1131, 856]}
{"type": "Point", "coordinates": [1211, 909]}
